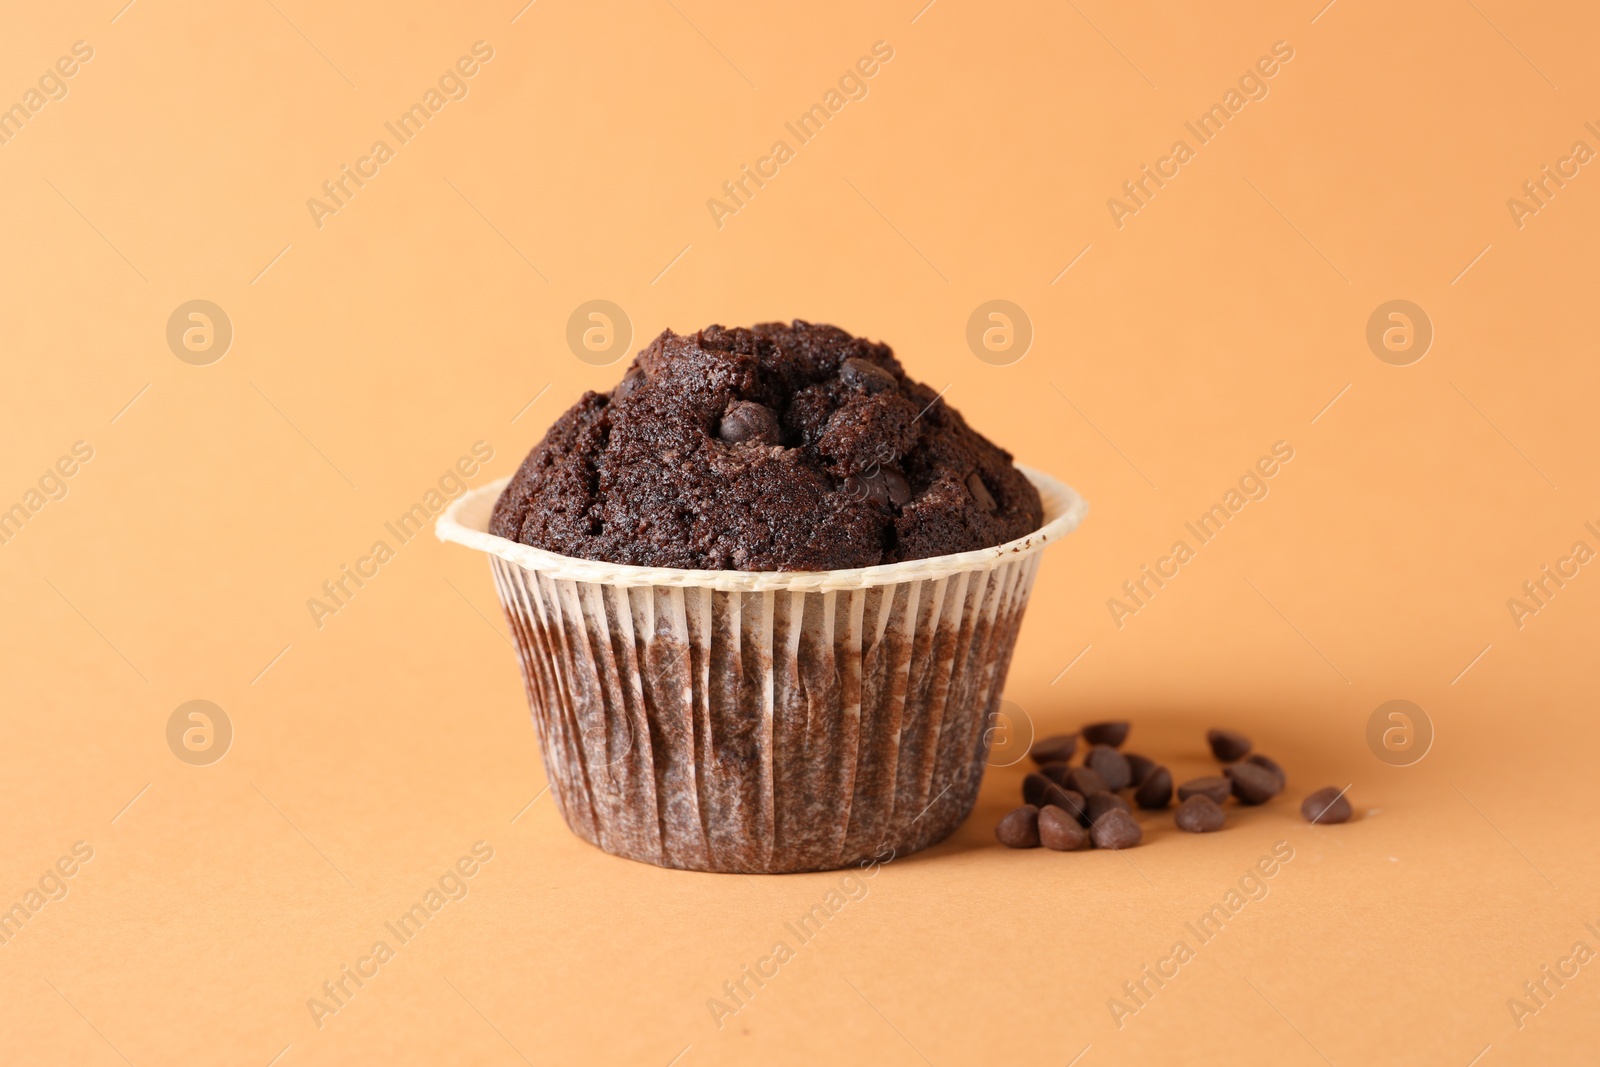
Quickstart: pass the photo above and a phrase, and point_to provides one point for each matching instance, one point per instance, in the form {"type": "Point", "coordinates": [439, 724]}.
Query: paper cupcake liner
{"type": "Point", "coordinates": [767, 721]}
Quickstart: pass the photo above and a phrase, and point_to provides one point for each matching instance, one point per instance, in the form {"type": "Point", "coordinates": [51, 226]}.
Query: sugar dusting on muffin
{"type": "Point", "coordinates": [779, 447]}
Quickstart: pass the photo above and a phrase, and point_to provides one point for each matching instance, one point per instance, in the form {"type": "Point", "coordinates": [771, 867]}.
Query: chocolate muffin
{"type": "Point", "coordinates": [779, 447]}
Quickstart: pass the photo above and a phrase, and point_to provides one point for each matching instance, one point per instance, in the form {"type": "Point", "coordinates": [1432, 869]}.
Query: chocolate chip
{"type": "Point", "coordinates": [1327, 805]}
{"type": "Point", "coordinates": [898, 488]}
{"type": "Point", "coordinates": [1252, 784]}
{"type": "Point", "coordinates": [1086, 780]}
{"type": "Point", "coordinates": [1057, 747]}
{"type": "Point", "coordinates": [1155, 792]}
{"type": "Point", "coordinates": [980, 492]}
{"type": "Point", "coordinates": [879, 486]}
{"type": "Point", "coordinates": [865, 375]}
{"type": "Point", "coordinates": [1116, 829]}
{"type": "Point", "coordinates": [1057, 772]}
{"type": "Point", "coordinates": [1227, 745]}
{"type": "Point", "coordinates": [1033, 787]}
{"type": "Point", "coordinates": [1060, 831]}
{"type": "Point", "coordinates": [1097, 804]}
{"type": "Point", "coordinates": [629, 385]}
{"type": "Point", "coordinates": [748, 423]}
{"type": "Point", "coordinates": [1211, 786]}
{"type": "Point", "coordinates": [868, 486]}
{"type": "Point", "coordinates": [1199, 815]}
{"type": "Point", "coordinates": [1019, 829]}
{"type": "Point", "coordinates": [1068, 801]}
{"type": "Point", "coordinates": [1270, 764]}
{"type": "Point", "coordinates": [1111, 765]}
{"type": "Point", "coordinates": [1106, 733]}
{"type": "Point", "coordinates": [1138, 767]}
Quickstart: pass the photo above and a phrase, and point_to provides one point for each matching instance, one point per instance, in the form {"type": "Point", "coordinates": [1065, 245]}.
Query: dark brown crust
{"type": "Point", "coordinates": [641, 476]}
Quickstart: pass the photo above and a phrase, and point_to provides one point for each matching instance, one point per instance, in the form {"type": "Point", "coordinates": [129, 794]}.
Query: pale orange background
{"type": "Point", "coordinates": [426, 314]}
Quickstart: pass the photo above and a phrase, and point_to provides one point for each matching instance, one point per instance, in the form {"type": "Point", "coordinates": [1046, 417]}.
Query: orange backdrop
{"type": "Point", "coordinates": [395, 221]}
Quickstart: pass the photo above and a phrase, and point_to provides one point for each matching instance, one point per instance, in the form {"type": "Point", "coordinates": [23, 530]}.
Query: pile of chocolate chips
{"type": "Point", "coordinates": [1067, 808]}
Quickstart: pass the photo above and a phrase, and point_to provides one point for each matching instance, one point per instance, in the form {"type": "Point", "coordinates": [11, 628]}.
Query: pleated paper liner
{"type": "Point", "coordinates": [763, 721]}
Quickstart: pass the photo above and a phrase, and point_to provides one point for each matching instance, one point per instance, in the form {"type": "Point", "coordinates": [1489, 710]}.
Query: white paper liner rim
{"type": "Point", "coordinates": [466, 522]}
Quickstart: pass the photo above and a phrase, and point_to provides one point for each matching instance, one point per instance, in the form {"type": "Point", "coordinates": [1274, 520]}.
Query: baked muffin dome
{"type": "Point", "coordinates": [778, 447]}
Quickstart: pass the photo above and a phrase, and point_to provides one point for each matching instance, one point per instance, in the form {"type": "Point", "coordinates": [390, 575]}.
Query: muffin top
{"type": "Point", "coordinates": [774, 448]}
